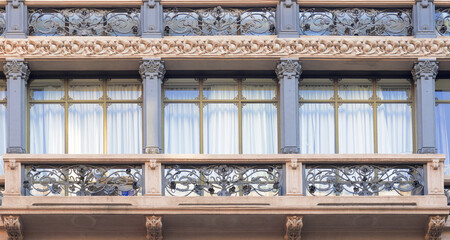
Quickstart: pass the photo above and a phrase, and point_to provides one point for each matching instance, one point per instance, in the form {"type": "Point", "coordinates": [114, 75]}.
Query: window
{"type": "Point", "coordinates": [220, 116]}
{"type": "Point", "coordinates": [3, 120]}
{"type": "Point", "coordinates": [442, 95]}
{"type": "Point", "coordinates": [355, 115]}
{"type": "Point", "coordinates": [85, 116]}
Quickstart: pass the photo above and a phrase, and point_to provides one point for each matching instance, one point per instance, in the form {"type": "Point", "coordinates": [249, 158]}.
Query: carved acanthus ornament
{"type": "Point", "coordinates": [425, 70]}
{"type": "Point", "coordinates": [436, 225]}
{"type": "Point", "coordinates": [13, 226]}
{"type": "Point", "coordinates": [16, 69]}
{"type": "Point", "coordinates": [294, 225]}
{"type": "Point", "coordinates": [154, 227]}
{"type": "Point", "coordinates": [152, 68]}
{"type": "Point", "coordinates": [289, 68]}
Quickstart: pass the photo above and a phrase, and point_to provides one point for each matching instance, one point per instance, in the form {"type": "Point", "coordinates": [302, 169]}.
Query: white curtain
{"type": "Point", "coordinates": [356, 128]}
{"type": "Point", "coordinates": [182, 128]}
{"type": "Point", "coordinates": [124, 129]}
{"type": "Point", "coordinates": [443, 132]}
{"type": "Point", "coordinates": [47, 127]}
{"type": "Point", "coordinates": [220, 129]}
{"type": "Point", "coordinates": [86, 128]}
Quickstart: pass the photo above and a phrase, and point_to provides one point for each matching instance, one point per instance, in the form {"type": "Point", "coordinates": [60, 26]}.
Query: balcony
{"type": "Point", "coordinates": [129, 196]}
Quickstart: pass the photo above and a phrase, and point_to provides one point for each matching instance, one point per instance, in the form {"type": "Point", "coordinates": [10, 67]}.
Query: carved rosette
{"type": "Point", "coordinates": [288, 68]}
{"type": "Point", "coordinates": [153, 68]}
{"type": "Point", "coordinates": [425, 70]}
{"type": "Point", "coordinates": [154, 227]}
{"type": "Point", "coordinates": [436, 225]}
{"type": "Point", "coordinates": [16, 69]}
{"type": "Point", "coordinates": [13, 226]}
{"type": "Point", "coordinates": [294, 225]}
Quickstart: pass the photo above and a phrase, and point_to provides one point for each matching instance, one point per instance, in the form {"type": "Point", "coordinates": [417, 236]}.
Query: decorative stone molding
{"type": "Point", "coordinates": [152, 68]}
{"type": "Point", "coordinates": [289, 68]}
{"type": "Point", "coordinates": [294, 225]}
{"type": "Point", "coordinates": [13, 226]}
{"type": "Point", "coordinates": [16, 69]}
{"type": "Point", "coordinates": [220, 46]}
{"type": "Point", "coordinates": [435, 227]}
{"type": "Point", "coordinates": [425, 69]}
{"type": "Point", "coordinates": [154, 227]}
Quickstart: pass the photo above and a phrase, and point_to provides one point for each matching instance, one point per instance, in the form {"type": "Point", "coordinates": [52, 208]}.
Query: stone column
{"type": "Point", "coordinates": [424, 75]}
{"type": "Point", "coordinates": [287, 19]}
{"type": "Point", "coordinates": [152, 19]}
{"type": "Point", "coordinates": [17, 73]}
{"type": "Point", "coordinates": [288, 72]}
{"type": "Point", "coordinates": [16, 19]}
{"type": "Point", "coordinates": [152, 72]}
{"type": "Point", "coordinates": [423, 17]}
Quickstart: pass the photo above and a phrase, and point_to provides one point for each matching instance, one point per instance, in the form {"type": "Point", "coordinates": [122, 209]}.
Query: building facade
{"type": "Point", "coordinates": [206, 119]}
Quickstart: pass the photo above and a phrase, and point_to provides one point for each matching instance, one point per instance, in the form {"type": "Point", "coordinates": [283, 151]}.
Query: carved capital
{"type": "Point", "coordinates": [16, 69]}
{"type": "Point", "coordinates": [288, 68]}
{"type": "Point", "coordinates": [152, 150]}
{"type": "Point", "coordinates": [287, 3]}
{"type": "Point", "coordinates": [425, 70]}
{"type": "Point", "coordinates": [290, 150]}
{"type": "Point", "coordinates": [153, 68]}
{"type": "Point", "coordinates": [13, 226]}
{"type": "Point", "coordinates": [15, 150]}
{"type": "Point", "coordinates": [435, 227]}
{"type": "Point", "coordinates": [154, 227]}
{"type": "Point", "coordinates": [427, 150]}
{"type": "Point", "coordinates": [294, 225]}
{"type": "Point", "coordinates": [424, 3]}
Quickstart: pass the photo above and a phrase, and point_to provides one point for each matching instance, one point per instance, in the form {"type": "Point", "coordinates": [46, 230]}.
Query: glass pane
{"type": "Point", "coordinates": [220, 129]}
{"type": "Point", "coordinates": [259, 129]}
{"type": "Point", "coordinates": [86, 128]}
{"type": "Point", "coordinates": [220, 88]}
{"type": "Point", "coordinates": [355, 89]}
{"type": "Point", "coordinates": [2, 89]}
{"type": "Point", "coordinates": [394, 128]}
{"type": "Point", "coordinates": [317, 127]}
{"type": "Point", "coordinates": [47, 89]}
{"type": "Point", "coordinates": [85, 89]}
{"type": "Point", "coordinates": [259, 88]}
{"type": "Point", "coordinates": [393, 89]}
{"type": "Point", "coordinates": [443, 133]}
{"type": "Point", "coordinates": [47, 129]}
{"type": "Point", "coordinates": [181, 128]}
{"type": "Point", "coordinates": [124, 89]}
{"type": "Point", "coordinates": [3, 128]}
{"type": "Point", "coordinates": [316, 89]}
{"type": "Point", "coordinates": [181, 89]}
{"type": "Point", "coordinates": [124, 129]}
{"type": "Point", "coordinates": [443, 89]}
{"type": "Point", "coordinates": [356, 128]}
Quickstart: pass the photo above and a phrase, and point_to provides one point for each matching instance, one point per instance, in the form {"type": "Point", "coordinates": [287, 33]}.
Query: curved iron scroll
{"type": "Point", "coordinates": [223, 180]}
{"type": "Point", "coordinates": [2, 21]}
{"type": "Point", "coordinates": [83, 180]}
{"type": "Point", "coordinates": [363, 180]}
{"type": "Point", "coordinates": [443, 21]}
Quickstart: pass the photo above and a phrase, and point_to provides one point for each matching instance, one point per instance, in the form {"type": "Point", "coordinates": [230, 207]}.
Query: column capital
{"type": "Point", "coordinates": [289, 68]}
{"type": "Point", "coordinates": [16, 69]}
{"type": "Point", "coordinates": [13, 226]}
{"type": "Point", "coordinates": [294, 225]}
{"type": "Point", "coordinates": [152, 67]}
{"type": "Point", "coordinates": [425, 69]}
{"type": "Point", "coordinates": [154, 227]}
{"type": "Point", "coordinates": [151, 3]}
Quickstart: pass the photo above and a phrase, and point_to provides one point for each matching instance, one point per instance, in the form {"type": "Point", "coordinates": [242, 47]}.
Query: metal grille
{"type": "Point", "coordinates": [443, 21]}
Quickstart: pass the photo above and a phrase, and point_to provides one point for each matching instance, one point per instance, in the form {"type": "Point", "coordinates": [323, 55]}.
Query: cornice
{"type": "Point", "coordinates": [269, 47]}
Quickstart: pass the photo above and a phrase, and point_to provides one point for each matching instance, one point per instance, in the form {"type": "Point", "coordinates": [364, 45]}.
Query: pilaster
{"type": "Point", "coordinates": [424, 75]}
{"type": "Point", "coordinates": [152, 72]}
{"type": "Point", "coordinates": [287, 19]}
{"type": "Point", "coordinates": [288, 72]}
{"type": "Point", "coordinates": [16, 72]}
{"type": "Point", "coordinates": [152, 19]}
{"type": "Point", "coordinates": [16, 19]}
{"type": "Point", "coordinates": [423, 17]}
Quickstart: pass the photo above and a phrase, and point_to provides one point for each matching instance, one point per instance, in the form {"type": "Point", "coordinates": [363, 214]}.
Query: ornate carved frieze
{"type": "Point", "coordinates": [152, 68]}
{"type": "Point", "coordinates": [435, 227]}
{"type": "Point", "coordinates": [154, 227]}
{"type": "Point", "coordinates": [16, 69]}
{"type": "Point", "coordinates": [13, 226]}
{"type": "Point", "coordinates": [425, 69]}
{"type": "Point", "coordinates": [290, 68]}
{"type": "Point", "coordinates": [294, 225]}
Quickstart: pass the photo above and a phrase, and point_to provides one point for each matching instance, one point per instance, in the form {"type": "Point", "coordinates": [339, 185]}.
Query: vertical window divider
{"type": "Point", "coordinates": [200, 111]}
{"type": "Point", "coordinates": [375, 116]}
{"type": "Point", "coordinates": [105, 112]}
{"type": "Point", "coordinates": [336, 114]}
{"type": "Point", "coordinates": [239, 105]}
{"type": "Point", "coordinates": [413, 114]}
{"type": "Point", "coordinates": [66, 114]}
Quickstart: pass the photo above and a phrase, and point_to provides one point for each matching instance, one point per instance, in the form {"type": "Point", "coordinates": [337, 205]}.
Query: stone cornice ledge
{"type": "Point", "coordinates": [271, 47]}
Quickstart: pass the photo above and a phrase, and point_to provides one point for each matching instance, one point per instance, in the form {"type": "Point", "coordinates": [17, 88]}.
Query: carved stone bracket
{"type": "Point", "coordinates": [425, 69]}
{"type": "Point", "coordinates": [13, 226]}
{"type": "Point", "coordinates": [152, 68]}
{"type": "Point", "coordinates": [289, 68]}
{"type": "Point", "coordinates": [435, 227]}
{"type": "Point", "coordinates": [16, 69]}
{"type": "Point", "coordinates": [294, 225]}
{"type": "Point", "coordinates": [154, 227]}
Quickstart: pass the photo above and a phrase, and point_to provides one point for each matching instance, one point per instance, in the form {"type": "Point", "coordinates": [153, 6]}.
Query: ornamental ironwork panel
{"type": "Point", "coordinates": [2, 190]}
{"type": "Point", "coordinates": [356, 22]}
{"type": "Point", "coordinates": [447, 194]}
{"type": "Point", "coordinates": [442, 18]}
{"type": "Point", "coordinates": [219, 21]}
{"type": "Point", "coordinates": [364, 180]}
{"type": "Point", "coordinates": [223, 180]}
{"type": "Point", "coordinates": [2, 21]}
{"type": "Point", "coordinates": [84, 22]}
{"type": "Point", "coordinates": [83, 180]}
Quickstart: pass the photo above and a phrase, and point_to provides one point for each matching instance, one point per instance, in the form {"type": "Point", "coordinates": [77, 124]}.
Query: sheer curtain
{"type": "Point", "coordinates": [2, 128]}
{"type": "Point", "coordinates": [443, 132]}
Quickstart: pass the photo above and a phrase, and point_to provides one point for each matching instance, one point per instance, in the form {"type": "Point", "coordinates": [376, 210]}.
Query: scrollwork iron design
{"type": "Point", "coordinates": [84, 22]}
{"type": "Point", "coordinates": [223, 180]}
{"type": "Point", "coordinates": [447, 194]}
{"type": "Point", "coordinates": [442, 19]}
{"type": "Point", "coordinates": [2, 190]}
{"type": "Point", "coordinates": [219, 21]}
{"type": "Point", "coordinates": [363, 180]}
{"type": "Point", "coordinates": [356, 22]}
{"type": "Point", "coordinates": [83, 180]}
{"type": "Point", "coordinates": [2, 21]}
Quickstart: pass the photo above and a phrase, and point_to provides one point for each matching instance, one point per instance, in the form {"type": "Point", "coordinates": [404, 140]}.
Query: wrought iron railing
{"type": "Point", "coordinates": [356, 22]}
{"type": "Point", "coordinates": [84, 22]}
{"type": "Point", "coordinates": [223, 180]}
{"type": "Point", "coordinates": [219, 21]}
{"type": "Point", "coordinates": [2, 21]}
{"type": "Point", "coordinates": [2, 190]}
{"type": "Point", "coordinates": [442, 18]}
{"type": "Point", "coordinates": [83, 180]}
{"type": "Point", "coordinates": [364, 180]}
{"type": "Point", "coordinates": [447, 194]}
